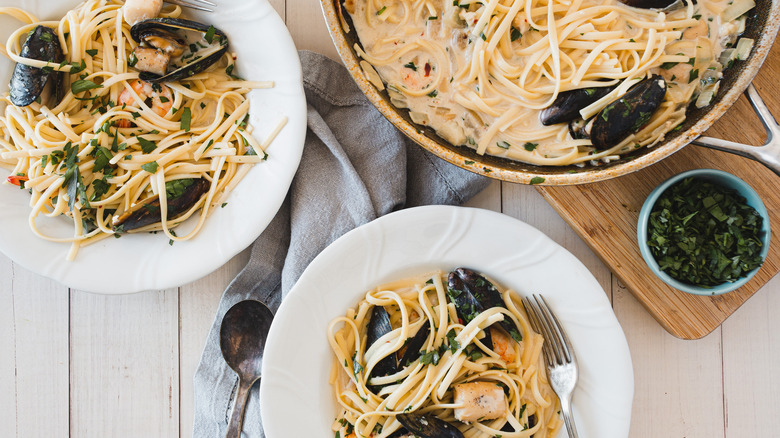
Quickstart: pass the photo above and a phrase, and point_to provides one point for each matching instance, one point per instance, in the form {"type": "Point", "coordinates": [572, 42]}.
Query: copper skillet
{"type": "Point", "coordinates": [762, 27]}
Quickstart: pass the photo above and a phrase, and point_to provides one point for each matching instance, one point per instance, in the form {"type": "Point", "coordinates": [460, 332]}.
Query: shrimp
{"type": "Point", "coordinates": [139, 10]}
{"type": "Point", "coordinates": [503, 345]}
{"type": "Point", "coordinates": [159, 98]}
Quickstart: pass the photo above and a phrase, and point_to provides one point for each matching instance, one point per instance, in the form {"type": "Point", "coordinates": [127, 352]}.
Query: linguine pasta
{"type": "Point", "coordinates": [480, 72]}
{"type": "Point", "coordinates": [114, 142]}
{"type": "Point", "coordinates": [452, 354]}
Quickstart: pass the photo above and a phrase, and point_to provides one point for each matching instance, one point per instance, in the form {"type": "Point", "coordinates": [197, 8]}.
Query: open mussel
{"type": "Point", "coordinates": [171, 49]}
{"type": "Point", "coordinates": [624, 116]}
{"type": "Point", "coordinates": [568, 104]}
{"type": "Point", "coordinates": [428, 426]}
{"type": "Point", "coordinates": [28, 83]}
{"type": "Point", "coordinates": [181, 195]}
{"type": "Point", "coordinates": [378, 326]}
{"type": "Point", "coordinates": [487, 296]}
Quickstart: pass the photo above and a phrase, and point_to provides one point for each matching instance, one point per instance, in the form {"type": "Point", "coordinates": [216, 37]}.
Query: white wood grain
{"type": "Point", "coordinates": [125, 365]}
{"type": "Point", "coordinates": [525, 203]}
{"type": "Point", "coordinates": [42, 369]}
{"type": "Point", "coordinates": [198, 302]}
{"type": "Point", "coordinates": [751, 359]}
{"type": "Point", "coordinates": [7, 350]}
{"type": "Point", "coordinates": [308, 29]}
{"type": "Point", "coordinates": [678, 390]}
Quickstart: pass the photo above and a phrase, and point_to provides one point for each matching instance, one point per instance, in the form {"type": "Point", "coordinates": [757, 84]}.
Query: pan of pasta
{"type": "Point", "coordinates": [413, 326]}
{"type": "Point", "coordinates": [553, 92]}
{"type": "Point", "coordinates": [142, 145]}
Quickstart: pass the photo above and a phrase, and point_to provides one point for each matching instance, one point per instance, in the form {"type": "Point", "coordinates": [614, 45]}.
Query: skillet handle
{"type": "Point", "coordinates": [769, 153]}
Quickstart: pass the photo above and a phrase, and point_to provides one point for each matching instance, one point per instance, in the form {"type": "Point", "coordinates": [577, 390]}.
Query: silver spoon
{"type": "Point", "coordinates": [242, 340]}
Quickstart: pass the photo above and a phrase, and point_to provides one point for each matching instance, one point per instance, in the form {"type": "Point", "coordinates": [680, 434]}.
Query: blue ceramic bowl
{"type": "Point", "coordinates": [714, 176]}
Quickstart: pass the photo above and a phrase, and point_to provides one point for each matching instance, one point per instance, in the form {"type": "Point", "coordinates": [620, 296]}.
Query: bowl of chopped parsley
{"type": "Point", "coordinates": [704, 232]}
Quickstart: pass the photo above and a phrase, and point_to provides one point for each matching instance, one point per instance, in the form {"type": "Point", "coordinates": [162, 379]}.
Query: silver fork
{"type": "Point", "coordinates": [558, 353]}
{"type": "Point", "coordinates": [200, 5]}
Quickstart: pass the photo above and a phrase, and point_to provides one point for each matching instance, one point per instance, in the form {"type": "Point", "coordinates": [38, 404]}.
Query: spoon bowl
{"type": "Point", "coordinates": [242, 337]}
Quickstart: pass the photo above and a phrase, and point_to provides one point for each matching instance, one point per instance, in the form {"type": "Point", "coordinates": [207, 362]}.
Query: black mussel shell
{"type": "Point", "coordinates": [488, 297]}
{"type": "Point", "coordinates": [628, 114]}
{"type": "Point", "coordinates": [649, 4]}
{"type": "Point", "coordinates": [27, 83]}
{"type": "Point", "coordinates": [378, 326]}
{"type": "Point", "coordinates": [428, 426]}
{"type": "Point", "coordinates": [415, 345]}
{"type": "Point", "coordinates": [466, 305]}
{"type": "Point", "coordinates": [172, 25]}
{"type": "Point", "coordinates": [147, 213]}
{"type": "Point", "coordinates": [568, 104]}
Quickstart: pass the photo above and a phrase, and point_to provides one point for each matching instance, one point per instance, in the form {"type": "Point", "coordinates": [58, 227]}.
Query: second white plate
{"type": "Point", "coordinates": [296, 398]}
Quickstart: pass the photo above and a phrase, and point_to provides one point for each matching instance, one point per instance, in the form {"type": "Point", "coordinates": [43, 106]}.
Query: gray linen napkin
{"type": "Point", "coordinates": [356, 166]}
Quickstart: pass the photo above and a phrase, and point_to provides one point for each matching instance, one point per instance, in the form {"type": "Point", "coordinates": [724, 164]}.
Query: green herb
{"type": "Point", "coordinates": [83, 85]}
{"type": "Point", "coordinates": [668, 65]}
{"type": "Point", "coordinates": [185, 119]}
{"type": "Point", "coordinates": [102, 157]}
{"type": "Point", "coordinates": [515, 34]}
{"type": "Point", "coordinates": [704, 234]}
{"type": "Point", "coordinates": [411, 65]}
{"type": "Point", "coordinates": [209, 36]}
{"type": "Point", "coordinates": [482, 35]}
{"type": "Point", "coordinates": [429, 357]}
{"type": "Point", "coordinates": [92, 52]}
{"type": "Point", "coordinates": [177, 187]}
{"type": "Point", "coordinates": [146, 145]}
{"type": "Point", "coordinates": [433, 93]}
{"type": "Point", "coordinates": [694, 74]}
{"type": "Point", "coordinates": [468, 162]}
{"type": "Point", "coordinates": [537, 180]}
{"type": "Point", "coordinates": [150, 167]}
{"type": "Point", "coordinates": [530, 146]}
{"type": "Point", "coordinates": [453, 343]}
{"type": "Point", "coordinates": [433, 17]}
{"type": "Point", "coordinates": [379, 12]}
{"type": "Point", "coordinates": [503, 145]}
{"type": "Point", "coordinates": [132, 60]}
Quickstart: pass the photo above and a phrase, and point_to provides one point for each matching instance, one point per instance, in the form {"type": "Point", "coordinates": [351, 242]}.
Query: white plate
{"type": "Point", "coordinates": [296, 398]}
{"type": "Point", "coordinates": [139, 262]}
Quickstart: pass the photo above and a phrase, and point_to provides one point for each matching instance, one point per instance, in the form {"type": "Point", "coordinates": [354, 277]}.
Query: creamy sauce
{"type": "Point", "coordinates": [479, 74]}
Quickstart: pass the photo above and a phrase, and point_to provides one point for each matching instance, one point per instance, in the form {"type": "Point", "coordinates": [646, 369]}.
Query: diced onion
{"type": "Point", "coordinates": [744, 46]}
{"type": "Point", "coordinates": [727, 56]}
{"type": "Point", "coordinates": [736, 9]}
{"type": "Point", "coordinates": [372, 75]}
{"type": "Point", "coordinates": [704, 98]}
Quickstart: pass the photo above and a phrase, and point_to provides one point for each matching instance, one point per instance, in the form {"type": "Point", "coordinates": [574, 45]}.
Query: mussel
{"type": "Point", "coordinates": [626, 115]}
{"type": "Point", "coordinates": [171, 49]}
{"type": "Point", "coordinates": [649, 4]}
{"type": "Point", "coordinates": [181, 195]}
{"type": "Point", "coordinates": [568, 104]}
{"type": "Point", "coordinates": [28, 83]}
{"type": "Point", "coordinates": [378, 326]}
{"type": "Point", "coordinates": [415, 344]}
{"type": "Point", "coordinates": [488, 297]}
{"type": "Point", "coordinates": [428, 426]}
{"type": "Point", "coordinates": [466, 304]}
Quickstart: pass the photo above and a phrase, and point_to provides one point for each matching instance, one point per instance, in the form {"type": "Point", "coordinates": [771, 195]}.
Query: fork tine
{"type": "Point", "coordinates": [191, 5]}
{"type": "Point", "coordinates": [566, 344]}
{"type": "Point", "coordinates": [547, 348]}
{"type": "Point", "coordinates": [552, 337]}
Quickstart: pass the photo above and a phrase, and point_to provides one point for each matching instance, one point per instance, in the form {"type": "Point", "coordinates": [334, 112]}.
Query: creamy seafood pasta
{"type": "Point", "coordinates": [440, 355]}
{"type": "Point", "coordinates": [550, 82]}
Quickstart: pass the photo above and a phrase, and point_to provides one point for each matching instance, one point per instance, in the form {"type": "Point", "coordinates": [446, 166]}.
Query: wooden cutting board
{"type": "Point", "coordinates": [604, 214]}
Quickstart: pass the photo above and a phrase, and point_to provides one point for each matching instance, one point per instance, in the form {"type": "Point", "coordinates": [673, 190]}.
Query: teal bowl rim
{"type": "Point", "coordinates": [725, 179]}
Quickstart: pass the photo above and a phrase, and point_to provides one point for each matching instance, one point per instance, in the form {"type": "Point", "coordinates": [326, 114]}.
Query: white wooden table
{"type": "Point", "coordinates": [74, 364]}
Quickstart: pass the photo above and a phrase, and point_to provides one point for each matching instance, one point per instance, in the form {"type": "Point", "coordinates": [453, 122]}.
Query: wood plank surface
{"type": "Point", "coordinates": [604, 214]}
{"type": "Point", "coordinates": [129, 360]}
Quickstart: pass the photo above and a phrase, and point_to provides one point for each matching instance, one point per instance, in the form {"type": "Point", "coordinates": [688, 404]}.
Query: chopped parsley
{"type": "Point", "coordinates": [704, 234]}
{"type": "Point", "coordinates": [150, 167]}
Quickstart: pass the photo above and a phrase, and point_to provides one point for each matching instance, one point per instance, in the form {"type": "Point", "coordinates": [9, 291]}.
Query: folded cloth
{"type": "Point", "coordinates": [356, 166]}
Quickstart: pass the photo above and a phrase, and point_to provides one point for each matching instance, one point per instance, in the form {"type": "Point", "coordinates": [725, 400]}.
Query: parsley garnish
{"type": "Point", "coordinates": [704, 234]}
{"type": "Point", "coordinates": [146, 145]}
{"type": "Point", "coordinates": [150, 167]}
{"type": "Point", "coordinates": [83, 85]}
{"type": "Point", "coordinates": [185, 120]}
